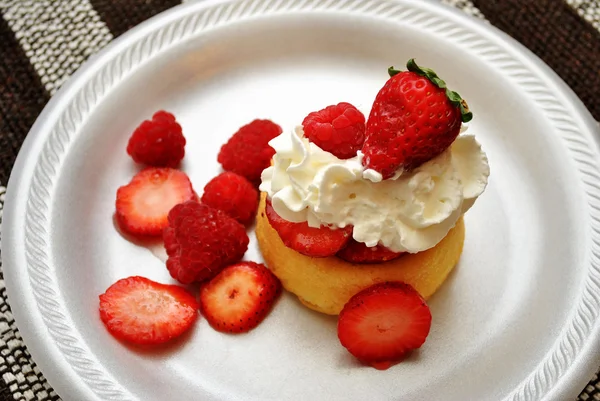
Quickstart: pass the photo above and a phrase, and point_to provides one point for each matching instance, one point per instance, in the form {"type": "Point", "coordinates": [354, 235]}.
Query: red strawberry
{"type": "Point", "coordinates": [159, 142]}
{"type": "Point", "coordinates": [358, 252]}
{"type": "Point", "coordinates": [141, 311]}
{"type": "Point", "coordinates": [201, 241]}
{"type": "Point", "coordinates": [414, 118]}
{"type": "Point", "coordinates": [143, 204]}
{"type": "Point", "coordinates": [247, 152]}
{"type": "Point", "coordinates": [337, 129]}
{"type": "Point", "coordinates": [382, 323]}
{"type": "Point", "coordinates": [239, 297]}
{"type": "Point", "coordinates": [232, 194]}
{"type": "Point", "coordinates": [309, 241]}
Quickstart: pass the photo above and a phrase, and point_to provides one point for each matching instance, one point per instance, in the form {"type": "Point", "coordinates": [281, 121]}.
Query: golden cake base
{"type": "Point", "coordinates": [326, 284]}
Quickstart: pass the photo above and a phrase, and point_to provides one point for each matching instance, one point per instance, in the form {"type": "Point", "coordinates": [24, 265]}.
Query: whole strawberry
{"type": "Point", "coordinates": [414, 118]}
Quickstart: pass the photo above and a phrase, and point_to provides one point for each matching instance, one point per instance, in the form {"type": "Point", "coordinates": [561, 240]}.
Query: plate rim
{"type": "Point", "coordinates": [556, 377]}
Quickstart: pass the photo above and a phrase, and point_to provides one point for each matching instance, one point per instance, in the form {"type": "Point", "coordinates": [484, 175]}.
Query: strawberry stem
{"type": "Point", "coordinates": [428, 73]}
{"type": "Point", "coordinates": [392, 71]}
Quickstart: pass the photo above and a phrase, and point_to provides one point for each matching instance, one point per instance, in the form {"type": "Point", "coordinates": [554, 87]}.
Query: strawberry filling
{"type": "Point", "coordinates": [324, 241]}
{"type": "Point", "coordinates": [358, 252]}
{"type": "Point", "coordinates": [316, 242]}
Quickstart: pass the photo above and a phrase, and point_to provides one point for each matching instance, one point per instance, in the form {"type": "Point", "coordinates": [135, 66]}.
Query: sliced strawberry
{"type": "Point", "coordinates": [240, 297]}
{"type": "Point", "coordinates": [382, 323]}
{"type": "Point", "coordinates": [309, 241]}
{"type": "Point", "coordinates": [144, 204]}
{"type": "Point", "coordinates": [141, 311]}
{"type": "Point", "coordinates": [358, 252]}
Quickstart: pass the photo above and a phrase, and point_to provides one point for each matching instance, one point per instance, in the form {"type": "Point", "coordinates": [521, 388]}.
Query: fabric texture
{"type": "Point", "coordinates": [42, 42]}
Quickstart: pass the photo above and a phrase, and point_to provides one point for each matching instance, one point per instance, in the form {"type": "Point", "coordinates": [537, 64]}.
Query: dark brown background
{"type": "Point", "coordinates": [550, 28]}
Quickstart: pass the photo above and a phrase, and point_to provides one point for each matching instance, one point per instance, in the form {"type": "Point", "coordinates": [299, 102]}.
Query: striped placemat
{"type": "Point", "coordinates": [42, 42]}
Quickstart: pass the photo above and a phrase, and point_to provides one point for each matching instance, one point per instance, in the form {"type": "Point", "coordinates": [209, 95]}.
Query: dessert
{"type": "Point", "coordinates": [402, 195]}
{"type": "Point", "coordinates": [358, 217]}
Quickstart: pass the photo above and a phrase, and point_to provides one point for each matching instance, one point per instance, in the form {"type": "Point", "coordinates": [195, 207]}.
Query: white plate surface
{"type": "Point", "coordinates": [517, 320]}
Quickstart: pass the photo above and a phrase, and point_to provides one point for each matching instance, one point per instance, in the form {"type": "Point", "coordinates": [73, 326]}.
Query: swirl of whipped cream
{"type": "Point", "coordinates": [411, 212]}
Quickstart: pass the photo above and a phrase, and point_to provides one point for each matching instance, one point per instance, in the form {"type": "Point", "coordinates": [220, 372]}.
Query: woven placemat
{"type": "Point", "coordinates": [42, 42]}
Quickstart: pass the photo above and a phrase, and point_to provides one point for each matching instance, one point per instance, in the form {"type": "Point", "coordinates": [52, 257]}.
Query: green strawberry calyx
{"type": "Point", "coordinates": [428, 73]}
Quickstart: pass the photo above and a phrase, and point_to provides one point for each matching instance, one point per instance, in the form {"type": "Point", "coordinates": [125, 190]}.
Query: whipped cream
{"type": "Point", "coordinates": [410, 212]}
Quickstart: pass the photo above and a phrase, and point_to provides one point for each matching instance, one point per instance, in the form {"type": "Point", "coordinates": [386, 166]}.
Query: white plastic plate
{"type": "Point", "coordinates": [517, 319]}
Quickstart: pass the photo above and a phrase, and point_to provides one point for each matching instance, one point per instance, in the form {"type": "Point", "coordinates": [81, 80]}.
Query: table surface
{"type": "Point", "coordinates": [42, 42]}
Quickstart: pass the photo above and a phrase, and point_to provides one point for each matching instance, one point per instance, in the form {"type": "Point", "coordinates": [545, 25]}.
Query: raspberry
{"type": "Point", "coordinates": [338, 129]}
{"type": "Point", "coordinates": [201, 241]}
{"type": "Point", "coordinates": [158, 142]}
{"type": "Point", "coordinates": [233, 194]}
{"type": "Point", "coordinates": [247, 152]}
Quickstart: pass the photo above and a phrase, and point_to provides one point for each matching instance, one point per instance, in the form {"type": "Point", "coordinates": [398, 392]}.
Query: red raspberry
{"type": "Point", "coordinates": [201, 241]}
{"type": "Point", "coordinates": [247, 152]}
{"type": "Point", "coordinates": [338, 129]}
{"type": "Point", "coordinates": [233, 194]}
{"type": "Point", "coordinates": [159, 142]}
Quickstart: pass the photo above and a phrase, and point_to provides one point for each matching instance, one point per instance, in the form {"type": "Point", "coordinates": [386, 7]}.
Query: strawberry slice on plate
{"type": "Point", "coordinates": [384, 322]}
{"type": "Point", "coordinates": [240, 297]}
{"type": "Point", "coordinates": [316, 242]}
{"type": "Point", "coordinates": [143, 205]}
{"type": "Point", "coordinates": [144, 312]}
